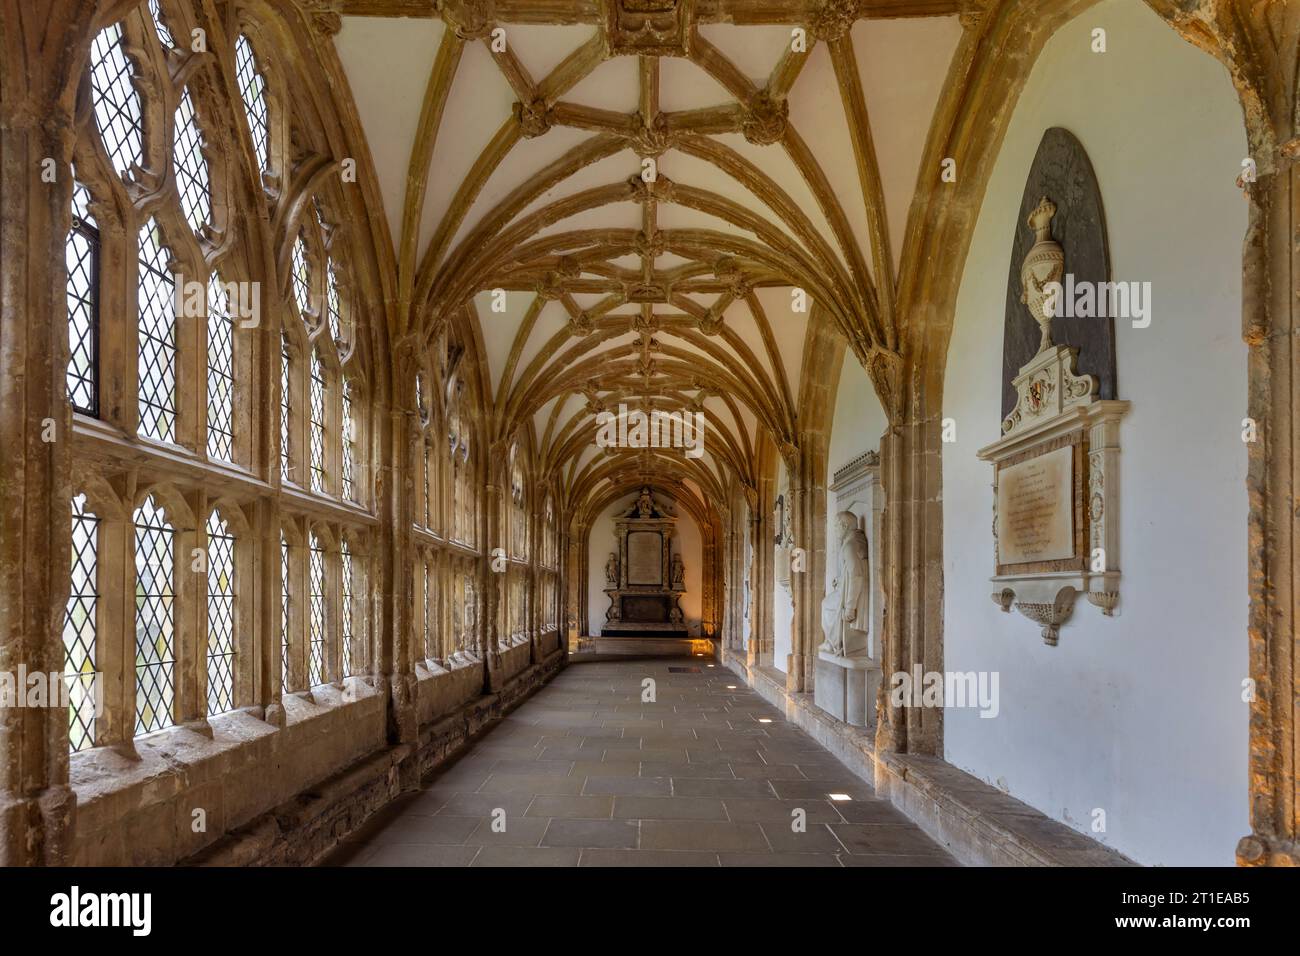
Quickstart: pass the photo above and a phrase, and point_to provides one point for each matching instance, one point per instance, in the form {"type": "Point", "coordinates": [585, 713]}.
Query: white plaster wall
{"type": "Point", "coordinates": [687, 540]}
{"type": "Point", "coordinates": [1140, 715]}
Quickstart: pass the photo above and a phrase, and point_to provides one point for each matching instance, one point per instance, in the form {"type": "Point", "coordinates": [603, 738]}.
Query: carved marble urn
{"type": "Point", "coordinates": [1044, 264]}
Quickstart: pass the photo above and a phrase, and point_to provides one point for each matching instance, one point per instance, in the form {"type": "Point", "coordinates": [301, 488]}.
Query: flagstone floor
{"type": "Point", "coordinates": [600, 769]}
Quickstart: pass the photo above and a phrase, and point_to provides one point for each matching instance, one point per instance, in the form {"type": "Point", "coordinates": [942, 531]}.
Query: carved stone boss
{"type": "Point", "coordinates": [1056, 468]}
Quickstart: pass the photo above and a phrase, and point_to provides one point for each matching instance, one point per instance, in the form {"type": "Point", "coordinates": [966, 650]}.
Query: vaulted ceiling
{"type": "Point", "coordinates": [634, 199]}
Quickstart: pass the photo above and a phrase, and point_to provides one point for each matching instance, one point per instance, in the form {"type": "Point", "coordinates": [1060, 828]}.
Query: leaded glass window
{"type": "Point", "coordinates": [426, 624]}
{"type": "Point", "coordinates": [468, 639]}
{"type": "Point", "coordinates": [221, 616]}
{"type": "Point", "coordinates": [284, 613]}
{"type": "Point", "coordinates": [317, 641]}
{"type": "Point", "coordinates": [154, 619]}
{"type": "Point", "coordinates": [431, 612]}
{"type": "Point", "coordinates": [332, 304]}
{"type": "Point", "coordinates": [286, 433]}
{"type": "Point", "coordinates": [157, 359]}
{"type": "Point", "coordinates": [221, 374]}
{"type": "Point", "coordinates": [348, 631]}
{"type": "Point", "coordinates": [191, 165]}
{"type": "Point", "coordinates": [252, 90]}
{"type": "Point", "coordinates": [116, 104]}
{"type": "Point", "coordinates": [301, 277]}
{"type": "Point", "coordinates": [426, 472]}
{"type": "Point", "coordinates": [80, 627]}
{"type": "Point", "coordinates": [82, 254]}
{"type": "Point", "coordinates": [349, 443]}
{"type": "Point", "coordinates": [164, 35]}
{"type": "Point", "coordinates": [318, 478]}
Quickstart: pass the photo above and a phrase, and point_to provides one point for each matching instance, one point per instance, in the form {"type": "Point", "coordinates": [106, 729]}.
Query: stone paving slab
{"type": "Point", "coordinates": [587, 773]}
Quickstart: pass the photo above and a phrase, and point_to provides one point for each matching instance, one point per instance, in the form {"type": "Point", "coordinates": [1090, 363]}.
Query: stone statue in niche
{"type": "Point", "coordinates": [645, 504]}
{"type": "Point", "coordinates": [679, 573]}
{"type": "Point", "coordinates": [611, 570]}
{"type": "Point", "coordinates": [846, 612]}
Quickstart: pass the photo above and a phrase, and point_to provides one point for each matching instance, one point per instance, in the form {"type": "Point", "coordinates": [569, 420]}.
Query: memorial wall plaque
{"type": "Point", "coordinates": [642, 599]}
{"type": "Point", "coordinates": [1034, 509]}
{"type": "Point", "coordinates": [645, 558]}
{"type": "Point", "coordinates": [1061, 419]}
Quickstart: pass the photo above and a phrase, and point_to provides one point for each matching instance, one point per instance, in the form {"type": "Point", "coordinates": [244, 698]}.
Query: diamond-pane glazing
{"type": "Point", "coordinates": [157, 359]}
{"type": "Point", "coordinates": [221, 373]}
{"type": "Point", "coordinates": [80, 626]}
{"type": "Point", "coordinates": [318, 425]}
{"type": "Point", "coordinates": [427, 475]}
{"type": "Point", "coordinates": [349, 443]}
{"type": "Point", "coordinates": [347, 631]}
{"type": "Point", "coordinates": [164, 35]}
{"type": "Point", "coordinates": [422, 600]}
{"type": "Point", "coordinates": [114, 99]}
{"type": "Point", "coordinates": [221, 616]}
{"type": "Point", "coordinates": [332, 304]}
{"type": "Point", "coordinates": [301, 275]}
{"type": "Point", "coordinates": [317, 647]}
{"type": "Point", "coordinates": [430, 612]}
{"type": "Point", "coordinates": [82, 254]}
{"type": "Point", "coordinates": [286, 435]}
{"type": "Point", "coordinates": [154, 619]}
{"type": "Point", "coordinates": [253, 92]}
{"type": "Point", "coordinates": [284, 613]}
{"type": "Point", "coordinates": [191, 165]}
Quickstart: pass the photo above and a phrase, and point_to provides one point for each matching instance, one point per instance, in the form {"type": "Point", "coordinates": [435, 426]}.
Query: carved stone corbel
{"type": "Point", "coordinates": [1049, 615]}
{"type": "Point", "coordinates": [1106, 600]}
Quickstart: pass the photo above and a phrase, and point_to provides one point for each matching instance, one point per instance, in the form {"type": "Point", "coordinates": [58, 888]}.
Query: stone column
{"type": "Point", "coordinates": [1261, 50]}
{"type": "Point", "coordinates": [43, 55]}
{"type": "Point", "coordinates": [808, 587]}
{"type": "Point", "coordinates": [762, 576]}
{"type": "Point", "coordinates": [396, 497]}
{"type": "Point", "coordinates": [577, 578]}
{"type": "Point", "coordinates": [912, 553]}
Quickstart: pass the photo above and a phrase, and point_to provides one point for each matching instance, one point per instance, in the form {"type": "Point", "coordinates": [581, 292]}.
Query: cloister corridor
{"type": "Point", "coordinates": [586, 773]}
{"type": "Point", "coordinates": [708, 434]}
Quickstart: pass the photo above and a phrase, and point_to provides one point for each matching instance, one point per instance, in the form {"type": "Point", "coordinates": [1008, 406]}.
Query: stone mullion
{"type": "Point", "coordinates": [268, 689]}
{"type": "Point", "coordinates": [191, 372]}
{"type": "Point", "coordinates": [249, 601]}
{"type": "Point", "coordinates": [190, 586]}
{"type": "Point", "coordinates": [115, 631]}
